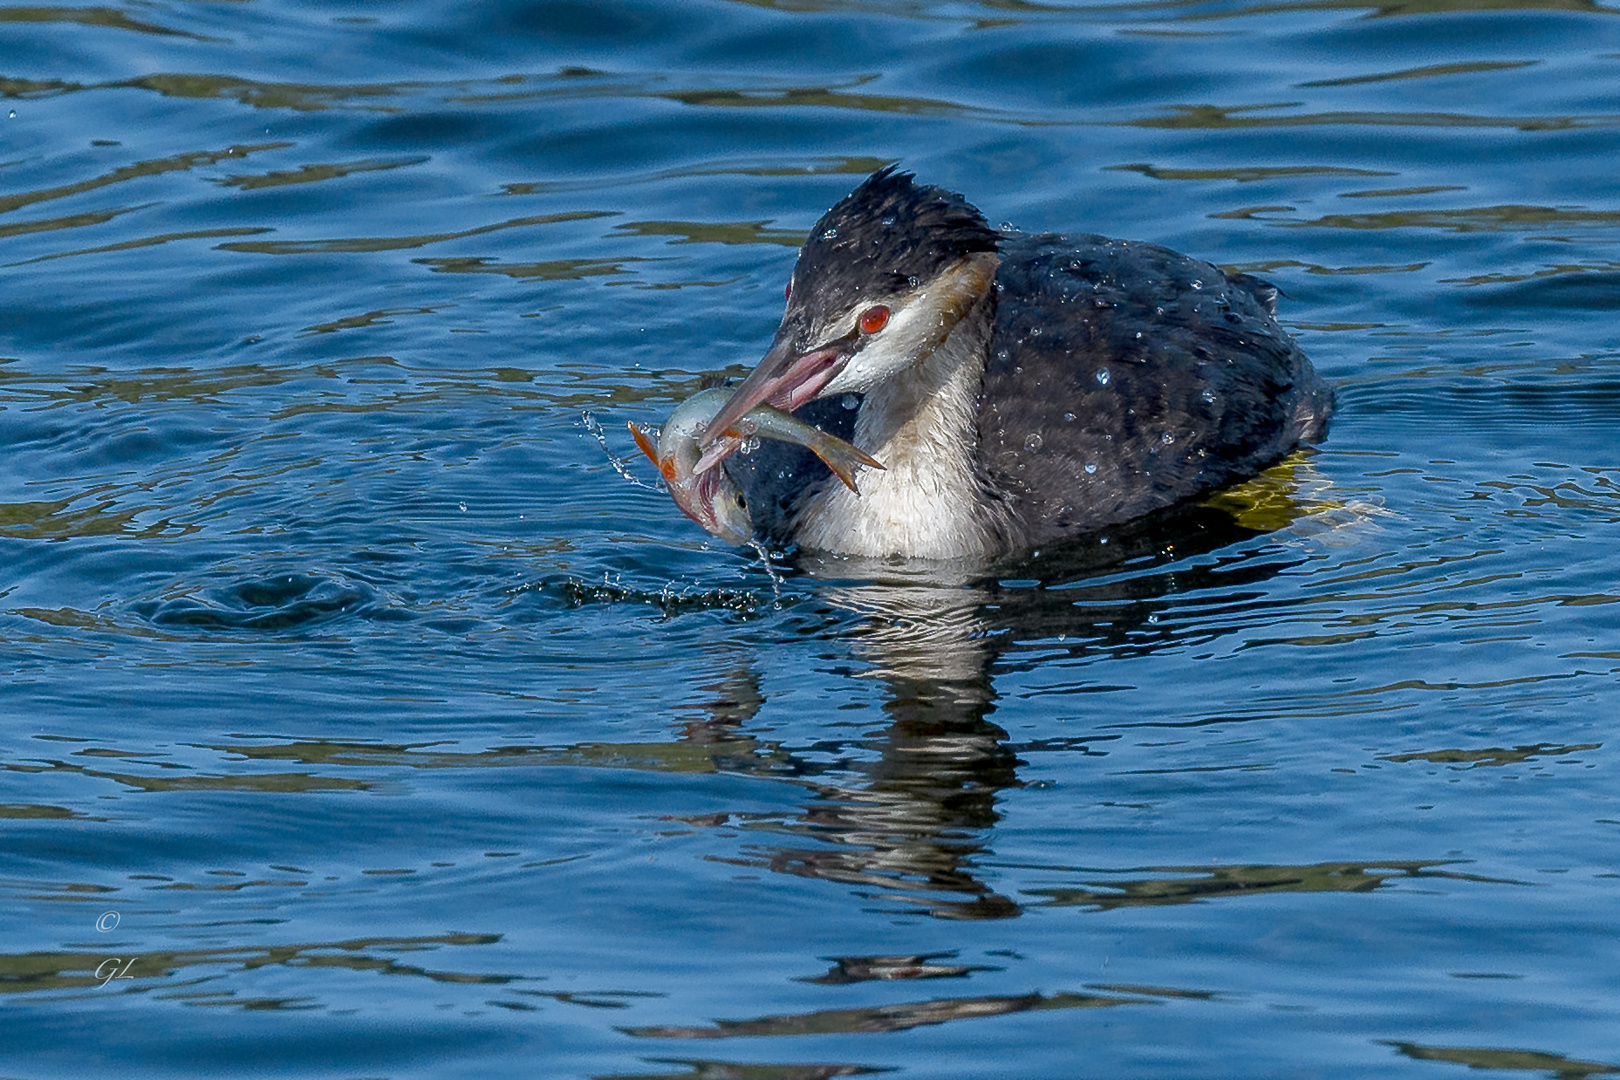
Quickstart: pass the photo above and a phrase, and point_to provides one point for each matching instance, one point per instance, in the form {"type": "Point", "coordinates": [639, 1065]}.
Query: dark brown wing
{"type": "Point", "coordinates": [1124, 377]}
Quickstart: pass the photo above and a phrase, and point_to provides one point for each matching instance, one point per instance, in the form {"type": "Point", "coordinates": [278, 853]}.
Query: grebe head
{"type": "Point", "coordinates": [883, 278]}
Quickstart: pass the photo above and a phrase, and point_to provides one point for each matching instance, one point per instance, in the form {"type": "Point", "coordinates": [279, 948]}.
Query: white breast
{"type": "Point", "coordinates": [927, 503]}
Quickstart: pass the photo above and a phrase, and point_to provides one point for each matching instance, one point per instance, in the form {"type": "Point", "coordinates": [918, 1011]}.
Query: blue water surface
{"type": "Point", "coordinates": [361, 719]}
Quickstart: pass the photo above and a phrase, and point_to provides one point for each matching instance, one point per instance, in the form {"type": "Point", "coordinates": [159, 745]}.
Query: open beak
{"type": "Point", "coordinates": [785, 379]}
{"type": "Point", "coordinates": [698, 503]}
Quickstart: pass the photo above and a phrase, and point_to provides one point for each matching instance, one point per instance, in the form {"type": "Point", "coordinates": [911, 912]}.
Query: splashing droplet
{"type": "Point", "coordinates": [1068, 418]}
{"type": "Point", "coordinates": [850, 401]}
{"type": "Point", "coordinates": [1091, 466]}
{"type": "Point", "coordinates": [829, 234]}
{"type": "Point", "coordinates": [1033, 442]}
{"type": "Point", "coordinates": [1167, 438]}
{"type": "Point", "coordinates": [1103, 375]}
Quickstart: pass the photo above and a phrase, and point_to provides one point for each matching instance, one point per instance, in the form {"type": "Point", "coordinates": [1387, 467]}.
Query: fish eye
{"type": "Point", "coordinates": [874, 319]}
{"type": "Point", "coordinates": [742, 503]}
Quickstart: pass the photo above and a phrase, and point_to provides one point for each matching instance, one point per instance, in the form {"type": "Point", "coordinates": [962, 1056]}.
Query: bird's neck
{"type": "Point", "coordinates": [927, 502]}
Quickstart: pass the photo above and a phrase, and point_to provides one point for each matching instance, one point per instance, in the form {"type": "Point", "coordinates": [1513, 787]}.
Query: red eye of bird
{"type": "Point", "coordinates": [874, 319]}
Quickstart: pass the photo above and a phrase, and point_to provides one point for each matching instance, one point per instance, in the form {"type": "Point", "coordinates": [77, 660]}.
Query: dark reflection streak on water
{"type": "Point", "coordinates": [1428, 71]}
{"type": "Point", "coordinates": [714, 232]}
{"type": "Point", "coordinates": [1245, 174]}
{"type": "Point", "coordinates": [1194, 884]}
{"type": "Point", "coordinates": [715, 753]}
{"type": "Point", "coordinates": [260, 782]}
{"type": "Point", "coordinates": [215, 385]}
{"type": "Point", "coordinates": [378, 317]}
{"type": "Point", "coordinates": [1491, 757]}
{"type": "Point", "coordinates": [834, 97]}
{"type": "Point", "coordinates": [1402, 192]}
{"type": "Point", "coordinates": [1495, 684]}
{"type": "Point", "coordinates": [71, 221]}
{"type": "Point", "coordinates": [139, 170]}
{"type": "Point", "coordinates": [1263, 266]}
{"type": "Point", "coordinates": [148, 241]}
{"type": "Point", "coordinates": [38, 812]}
{"type": "Point", "coordinates": [106, 18]}
{"type": "Point", "coordinates": [855, 969]}
{"type": "Point", "coordinates": [562, 86]}
{"type": "Point", "coordinates": [908, 9]}
{"type": "Point", "coordinates": [1554, 1065]}
{"type": "Point", "coordinates": [551, 270]}
{"type": "Point", "coordinates": [524, 397]}
{"type": "Point", "coordinates": [1204, 10]}
{"type": "Point", "coordinates": [310, 174]}
{"type": "Point", "coordinates": [1374, 8]}
{"type": "Point", "coordinates": [97, 386]}
{"type": "Point", "coordinates": [592, 999]}
{"type": "Point", "coordinates": [400, 243]}
{"type": "Point", "coordinates": [709, 1069]}
{"type": "Point", "coordinates": [1370, 701]}
{"type": "Point", "coordinates": [36, 972]}
{"type": "Point", "coordinates": [1464, 220]}
{"type": "Point", "coordinates": [54, 521]}
{"type": "Point", "coordinates": [828, 166]}
{"type": "Point", "coordinates": [764, 92]}
{"type": "Point", "coordinates": [300, 97]}
{"type": "Point", "coordinates": [1604, 267]}
{"type": "Point", "coordinates": [1223, 117]}
{"type": "Point", "coordinates": [884, 1018]}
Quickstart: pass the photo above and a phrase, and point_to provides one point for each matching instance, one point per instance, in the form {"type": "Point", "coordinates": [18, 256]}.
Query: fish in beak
{"type": "Point", "coordinates": [708, 495]}
{"type": "Point", "coordinates": [785, 379]}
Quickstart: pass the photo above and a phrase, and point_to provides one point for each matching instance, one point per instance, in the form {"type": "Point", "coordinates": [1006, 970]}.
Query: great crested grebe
{"type": "Point", "coordinates": [1018, 388]}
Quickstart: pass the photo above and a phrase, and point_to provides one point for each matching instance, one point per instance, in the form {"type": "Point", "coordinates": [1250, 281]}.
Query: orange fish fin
{"type": "Point", "coordinates": [644, 441]}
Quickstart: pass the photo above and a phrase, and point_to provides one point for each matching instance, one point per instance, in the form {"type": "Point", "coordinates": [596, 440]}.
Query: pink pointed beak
{"type": "Point", "coordinates": [784, 380]}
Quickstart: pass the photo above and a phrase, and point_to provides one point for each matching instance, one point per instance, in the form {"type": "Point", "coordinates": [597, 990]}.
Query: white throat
{"type": "Point", "coordinates": [921, 423]}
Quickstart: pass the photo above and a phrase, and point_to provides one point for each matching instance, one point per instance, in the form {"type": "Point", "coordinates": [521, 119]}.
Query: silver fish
{"type": "Point", "coordinates": [704, 491]}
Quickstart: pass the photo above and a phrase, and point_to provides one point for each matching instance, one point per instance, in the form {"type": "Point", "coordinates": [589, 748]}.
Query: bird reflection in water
{"type": "Point", "coordinates": [907, 814]}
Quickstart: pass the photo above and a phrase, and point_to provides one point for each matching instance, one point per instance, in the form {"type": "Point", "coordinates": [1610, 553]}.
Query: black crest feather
{"type": "Point", "coordinates": [887, 232]}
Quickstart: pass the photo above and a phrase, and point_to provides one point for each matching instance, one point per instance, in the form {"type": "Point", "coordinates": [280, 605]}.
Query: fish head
{"type": "Point", "coordinates": [710, 498]}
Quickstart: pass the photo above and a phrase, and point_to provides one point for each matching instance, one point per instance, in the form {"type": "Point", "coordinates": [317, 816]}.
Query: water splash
{"type": "Point", "coordinates": [772, 572]}
{"type": "Point", "coordinates": [620, 465]}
